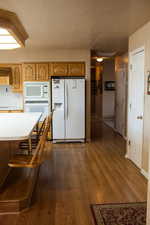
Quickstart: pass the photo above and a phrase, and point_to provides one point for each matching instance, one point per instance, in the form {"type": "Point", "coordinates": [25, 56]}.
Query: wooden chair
{"type": "Point", "coordinates": [25, 145]}
{"type": "Point", "coordinates": [38, 156]}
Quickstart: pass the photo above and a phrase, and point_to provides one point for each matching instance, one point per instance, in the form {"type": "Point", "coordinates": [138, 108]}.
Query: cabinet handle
{"type": "Point", "coordinates": [139, 117]}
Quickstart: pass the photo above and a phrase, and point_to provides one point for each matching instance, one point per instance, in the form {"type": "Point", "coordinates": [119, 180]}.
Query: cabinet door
{"type": "Point", "coordinates": [42, 72]}
{"type": "Point", "coordinates": [50, 69]}
{"type": "Point", "coordinates": [76, 69]}
{"type": "Point", "coordinates": [29, 72]}
{"type": "Point", "coordinates": [16, 111]}
{"type": "Point", "coordinates": [60, 69]}
{"type": "Point", "coordinates": [4, 80]}
{"type": "Point", "coordinates": [17, 78]}
{"type": "Point", "coordinates": [4, 111]}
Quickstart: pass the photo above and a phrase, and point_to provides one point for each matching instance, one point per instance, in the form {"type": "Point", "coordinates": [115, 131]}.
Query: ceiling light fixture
{"type": "Point", "coordinates": [12, 32]}
{"type": "Point", "coordinates": [99, 59]}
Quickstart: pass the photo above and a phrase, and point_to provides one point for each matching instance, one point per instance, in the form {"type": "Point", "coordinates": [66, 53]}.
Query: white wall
{"type": "Point", "coordinates": [108, 96]}
{"type": "Point", "coordinates": [121, 74]}
{"type": "Point", "coordinates": [139, 39]}
{"type": "Point", "coordinates": [39, 55]}
{"type": "Point", "coordinates": [10, 99]}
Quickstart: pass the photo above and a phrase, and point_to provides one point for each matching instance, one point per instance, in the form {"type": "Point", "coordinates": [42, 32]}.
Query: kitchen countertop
{"type": "Point", "coordinates": [17, 126]}
{"type": "Point", "coordinates": [10, 108]}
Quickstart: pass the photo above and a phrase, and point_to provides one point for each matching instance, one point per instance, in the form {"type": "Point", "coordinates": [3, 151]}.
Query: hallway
{"type": "Point", "coordinates": [77, 175]}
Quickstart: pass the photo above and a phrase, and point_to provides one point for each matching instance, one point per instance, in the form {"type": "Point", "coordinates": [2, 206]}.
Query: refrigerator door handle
{"type": "Point", "coordinates": [67, 101]}
{"type": "Point", "coordinates": [53, 108]}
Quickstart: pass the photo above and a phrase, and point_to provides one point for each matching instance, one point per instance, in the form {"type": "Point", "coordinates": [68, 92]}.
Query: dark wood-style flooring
{"type": "Point", "coordinates": [76, 175]}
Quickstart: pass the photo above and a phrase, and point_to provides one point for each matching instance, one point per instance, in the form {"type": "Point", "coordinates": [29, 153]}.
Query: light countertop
{"type": "Point", "coordinates": [17, 126]}
{"type": "Point", "coordinates": [10, 108]}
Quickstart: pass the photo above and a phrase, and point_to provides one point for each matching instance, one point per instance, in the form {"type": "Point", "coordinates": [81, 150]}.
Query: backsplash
{"type": "Point", "coordinates": [10, 99]}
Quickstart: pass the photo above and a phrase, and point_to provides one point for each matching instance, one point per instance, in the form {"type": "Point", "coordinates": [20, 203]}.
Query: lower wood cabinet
{"type": "Point", "coordinates": [4, 111]}
{"type": "Point", "coordinates": [11, 111]}
{"type": "Point", "coordinates": [16, 111]}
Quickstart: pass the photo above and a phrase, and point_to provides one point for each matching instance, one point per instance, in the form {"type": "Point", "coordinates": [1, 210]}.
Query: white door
{"type": "Point", "coordinates": [136, 107]}
{"type": "Point", "coordinates": [75, 109]}
{"type": "Point", "coordinates": [58, 103]}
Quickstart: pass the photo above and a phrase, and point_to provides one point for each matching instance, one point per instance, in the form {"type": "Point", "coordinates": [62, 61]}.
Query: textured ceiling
{"type": "Point", "coordinates": [94, 24]}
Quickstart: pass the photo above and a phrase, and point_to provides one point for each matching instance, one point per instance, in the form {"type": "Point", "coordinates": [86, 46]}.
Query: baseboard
{"type": "Point", "coordinates": [88, 140]}
{"type": "Point", "coordinates": [144, 173]}
{"type": "Point", "coordinates": [125, 137]}
{"type": "Point", "coordinates": [126, 156]}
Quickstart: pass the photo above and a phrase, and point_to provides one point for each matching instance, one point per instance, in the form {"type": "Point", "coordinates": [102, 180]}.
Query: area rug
{"type": "Point", "coordinates": [120, 214]}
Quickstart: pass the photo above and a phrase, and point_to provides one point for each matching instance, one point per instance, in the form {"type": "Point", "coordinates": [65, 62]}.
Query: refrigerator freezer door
{"type": "Point", "coordinates": [75, 109]}
{"type": "Point", "coordinates": [58, 123]}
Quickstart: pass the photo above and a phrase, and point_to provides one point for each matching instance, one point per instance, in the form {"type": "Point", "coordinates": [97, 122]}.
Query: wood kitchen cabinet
{"type": "Point", "coordinates": [36, 71]}
{"type": "Point", "coordinates": [42, 71]}
{"type": "Point", "coordinates": [17, 78]}
{"type": "Point", "coordinates": [11, 111]}
{"type": "Point", "coordinates": [29, 71]}
{"type": "Point", "coordinates": [67, 69]}
{"type": "Point", "coordinates": [76, 69]}
{"type": "Point", "coordinates": [59, 69]}
{"type": "Point", "coordinates": [4, 81]}
{"type": "Point", "coordinates": [4, 111]}
{"type": "Point", "coordinates": [16, 111]}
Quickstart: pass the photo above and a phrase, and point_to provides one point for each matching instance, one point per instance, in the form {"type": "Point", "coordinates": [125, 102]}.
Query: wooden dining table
{"type": "Point", "coordinates": [14, 127]}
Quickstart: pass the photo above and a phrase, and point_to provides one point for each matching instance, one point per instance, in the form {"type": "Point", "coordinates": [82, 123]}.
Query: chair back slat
{"type": "Point", "coordinates": [40, 147]}
{"type": "Point", "coordinates": [38, 156]}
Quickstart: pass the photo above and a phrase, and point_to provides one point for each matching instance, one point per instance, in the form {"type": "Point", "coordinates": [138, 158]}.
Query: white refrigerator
{"type": "Point", "coordinates": [68, 105]}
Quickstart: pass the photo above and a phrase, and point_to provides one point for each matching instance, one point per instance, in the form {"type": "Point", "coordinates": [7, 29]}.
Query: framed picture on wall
{"type": "Point", "coordinates": [110, 85]}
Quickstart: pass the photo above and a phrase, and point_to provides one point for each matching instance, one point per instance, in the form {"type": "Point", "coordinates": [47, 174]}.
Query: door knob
{"type": "Point", "coordinates": [139, 117]}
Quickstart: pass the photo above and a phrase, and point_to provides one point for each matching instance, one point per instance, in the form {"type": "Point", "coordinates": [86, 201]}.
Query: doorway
{"type": "Point", "coordinates": [103, 91]}
{"type": "Point", "coordinates": [109, 84]}
{"type": "Point", "coordinates": [136, 107]}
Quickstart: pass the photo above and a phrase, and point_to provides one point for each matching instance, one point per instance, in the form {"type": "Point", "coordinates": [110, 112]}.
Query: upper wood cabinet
{"type": "Point", "coordinates": [76, 69]}
{"type": "Point", "coordinates": [36, 71]}
{"type": "Point", "coordinates": [4, 80]}
{"type": "Point", "coordinates": [59, 69]}
{"type": "Point", "coordinates": [17, 77]}
{"type": "Point", "coordinates": [42, 71]}
{"type": "Point", "coordinates": [67, 69]}
{"type": "Point", "coordinates": [29, 71]}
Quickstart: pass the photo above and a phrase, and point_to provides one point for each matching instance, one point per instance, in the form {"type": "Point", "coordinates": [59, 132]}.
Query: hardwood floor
{"type": "Point", "coordinates": [76, 175]}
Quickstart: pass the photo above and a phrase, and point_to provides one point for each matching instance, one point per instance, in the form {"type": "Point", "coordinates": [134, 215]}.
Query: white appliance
{"type": "Point", "coordinates": [37, 98]}
{"type": "Point", "coordinates": [36, 90]}
{"type": "Point", "coordinates": [68, 104]}
{"type": "Point", "coordinates": [35, 106]}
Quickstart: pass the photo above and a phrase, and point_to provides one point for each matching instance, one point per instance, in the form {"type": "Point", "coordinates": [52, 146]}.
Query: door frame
{"type": "Point", "coordinates": [131, 53]}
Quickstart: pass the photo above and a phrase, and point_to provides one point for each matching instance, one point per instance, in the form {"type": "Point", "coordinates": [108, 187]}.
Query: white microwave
{"type": "Point", "coordinates": [36, 90]}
